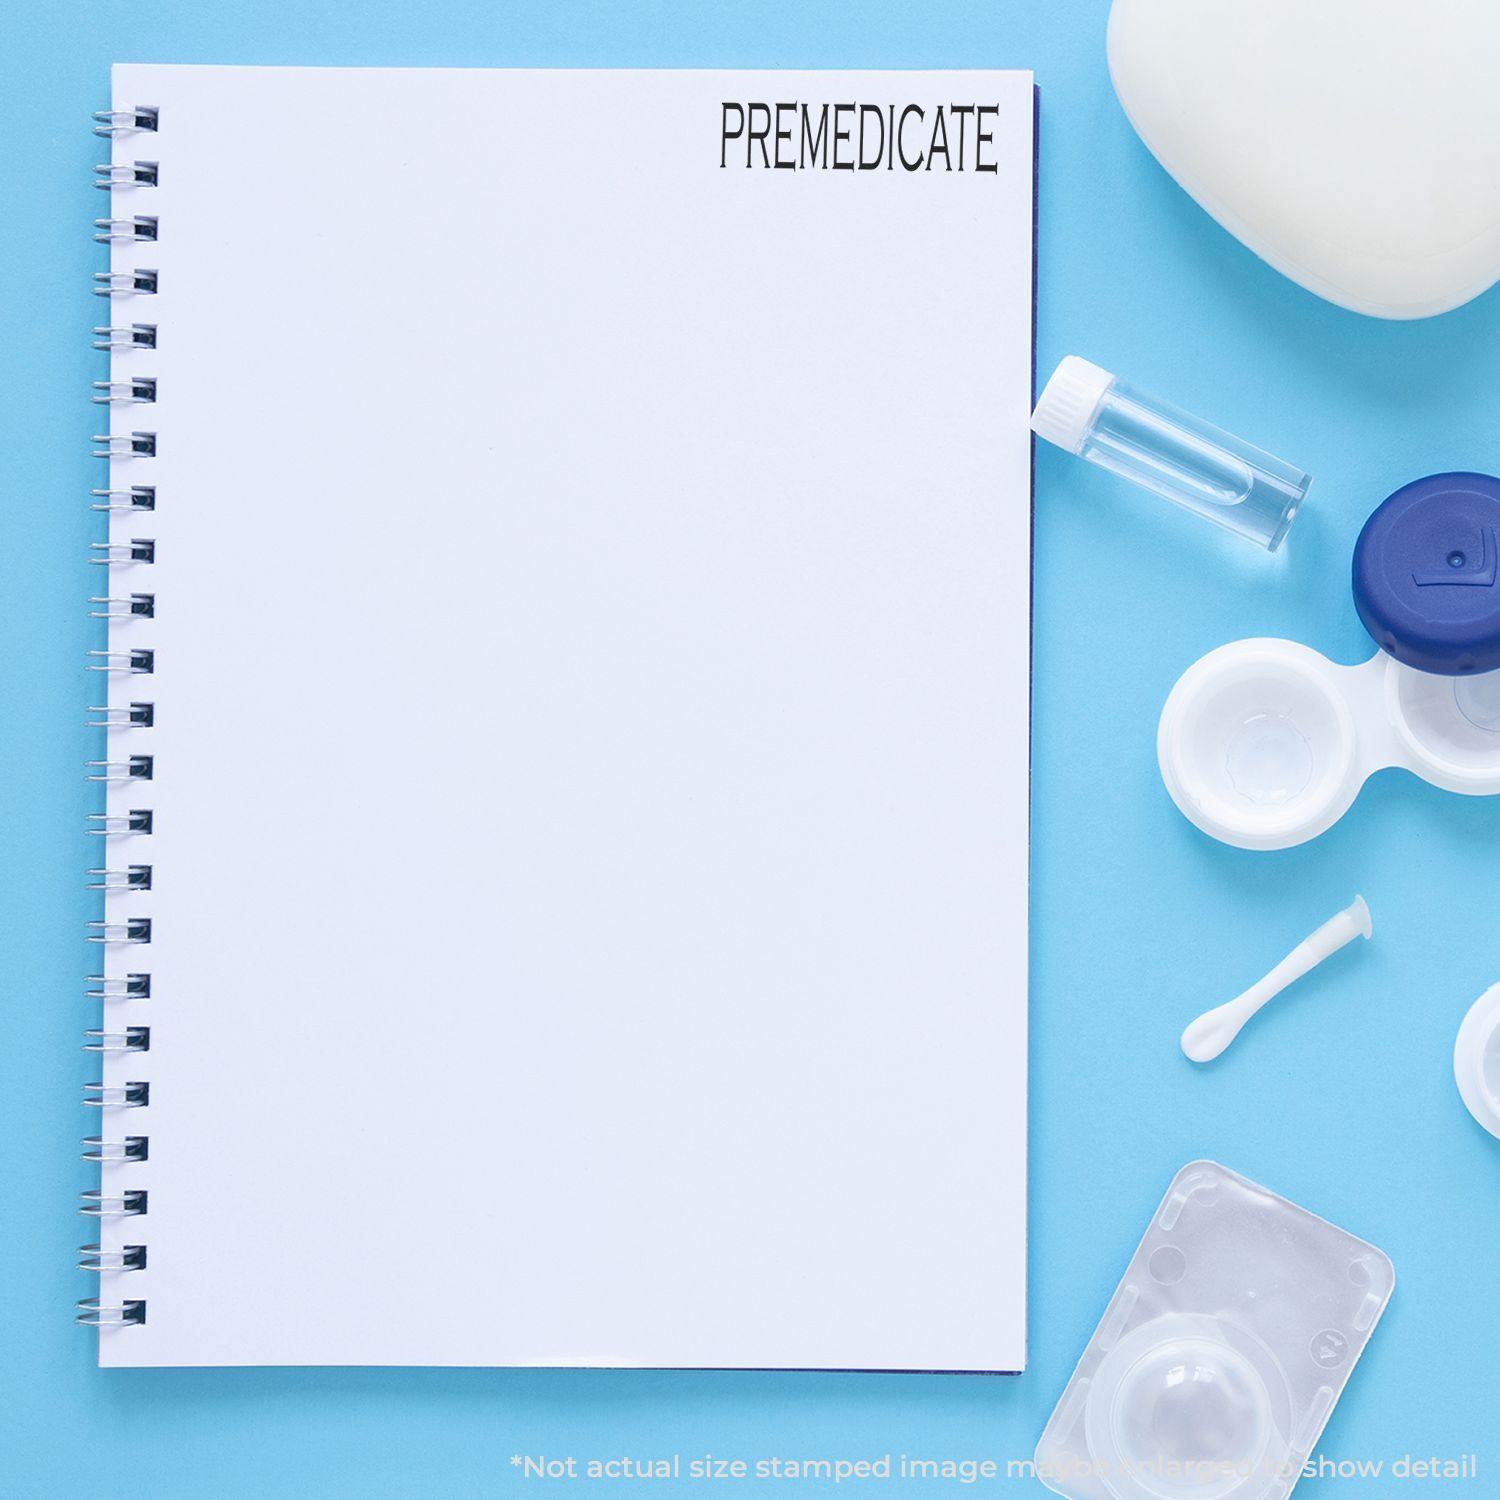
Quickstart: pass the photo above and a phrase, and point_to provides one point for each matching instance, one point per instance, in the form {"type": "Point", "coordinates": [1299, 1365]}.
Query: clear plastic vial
{"type": "Point", "coordinates": [1170, 452]}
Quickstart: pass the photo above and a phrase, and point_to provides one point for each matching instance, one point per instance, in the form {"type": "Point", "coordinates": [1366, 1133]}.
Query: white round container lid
{"type": "Point", "coordinates": [1476, 1060]}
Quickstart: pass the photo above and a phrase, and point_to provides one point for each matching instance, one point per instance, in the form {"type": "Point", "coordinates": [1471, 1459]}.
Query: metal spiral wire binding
{"type": "Point", "coordinates": [133, 878]}
{"type": "Point", "coordinates": [129, 336]}
{"type": "Point", "coordinates": [119, 986]}
{"type": "Point", "coordinates": [124, 283]}
{"type": "Point", "coordinates": [132, 1148]}
{"type": "Point", "coordinates": [133, 174]}
{"type": "Point", "coordinates": [132, 716]}
{"type": "Point", "coordinates": [124, 121]}
{"type": "Point", "coordinates": [109, 825]}
{"type": "Point", "coordinates": [136, 932]}
{"type": "Point", "coordinates": [132, 1039]}
{"type": "Point", "coordinates": [137, 549]}
{"type": "Point", "coordinates": [122, 877]}
{"type": "Point", "coordinates": [126, 1258]}
{"type": "Point", "coordinates": [137, 497]}
{"type": "Point", "coordinates": [93, 1313]}
{"type": "Point", "coordinates": [138, 392]}
{"type": "Point", "coordinates": [137, 768]}
{"type": "Point", "coordinates": [133, 231]}
{"type": "Point", "coordinates": [133, 1095]}
{"type": "Point", "coordinates": [138, 661]}
{"type": "Point", "coordinates": [122, 608]}
{"type": "Point", "coordinates": [101, 1205]}
{"type": "Point", "coordinates": [125, 445]}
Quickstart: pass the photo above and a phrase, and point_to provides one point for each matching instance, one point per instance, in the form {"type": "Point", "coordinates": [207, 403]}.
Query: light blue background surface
{"type": "Point", "coordinates": [1342, 1097]}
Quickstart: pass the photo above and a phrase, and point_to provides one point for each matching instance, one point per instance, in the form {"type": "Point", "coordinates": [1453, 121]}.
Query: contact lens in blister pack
{"type": "Point", "coordinates": [1222, 1352]}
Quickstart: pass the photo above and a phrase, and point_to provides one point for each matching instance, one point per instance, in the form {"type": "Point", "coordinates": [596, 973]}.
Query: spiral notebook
{"type": "Point", "coordinates": [563, 721]}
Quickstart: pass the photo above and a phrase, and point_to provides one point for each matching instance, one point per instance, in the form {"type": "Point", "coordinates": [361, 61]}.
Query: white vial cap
{"type": "Point", "coordinates": [1069, 403]}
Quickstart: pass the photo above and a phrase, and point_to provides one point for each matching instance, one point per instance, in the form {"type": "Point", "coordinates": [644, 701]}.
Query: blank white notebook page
{"type": "Point", "coordinates": [590, 749]}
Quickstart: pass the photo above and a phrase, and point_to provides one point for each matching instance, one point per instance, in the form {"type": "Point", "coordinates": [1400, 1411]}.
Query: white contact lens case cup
{"type": "Point", "coordinates": [1265, 743]}
{"type": "Point", "coordinates": [1476, 1060]}
{"type": "Point", "coordinates": [1222, 1352]}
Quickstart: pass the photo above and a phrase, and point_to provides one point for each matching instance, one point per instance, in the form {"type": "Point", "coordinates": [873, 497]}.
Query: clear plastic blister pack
{"type": "Point", "coordinates": [1222, 1352]}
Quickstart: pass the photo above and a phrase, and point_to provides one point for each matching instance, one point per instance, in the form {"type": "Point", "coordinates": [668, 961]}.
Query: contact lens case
{"type": "Point", "coordinates": [1221, 1354]}
{"type": "Point", "coordinates": [1476, 1060]}
{"type": "Point", "coordinates": [1266, 743]}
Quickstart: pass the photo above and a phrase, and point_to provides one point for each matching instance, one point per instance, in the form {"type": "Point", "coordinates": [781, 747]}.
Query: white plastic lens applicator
{"type": "Point", "coordinates": [1213, 1031]}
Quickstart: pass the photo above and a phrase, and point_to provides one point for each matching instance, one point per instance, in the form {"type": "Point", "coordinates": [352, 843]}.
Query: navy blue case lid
{"type": "Point", "coordinates": [1425, 580]}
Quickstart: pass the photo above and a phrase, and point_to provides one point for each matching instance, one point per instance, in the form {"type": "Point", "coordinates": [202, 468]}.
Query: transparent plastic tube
{"type": "Point", "coordinates": [1170, 452]}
